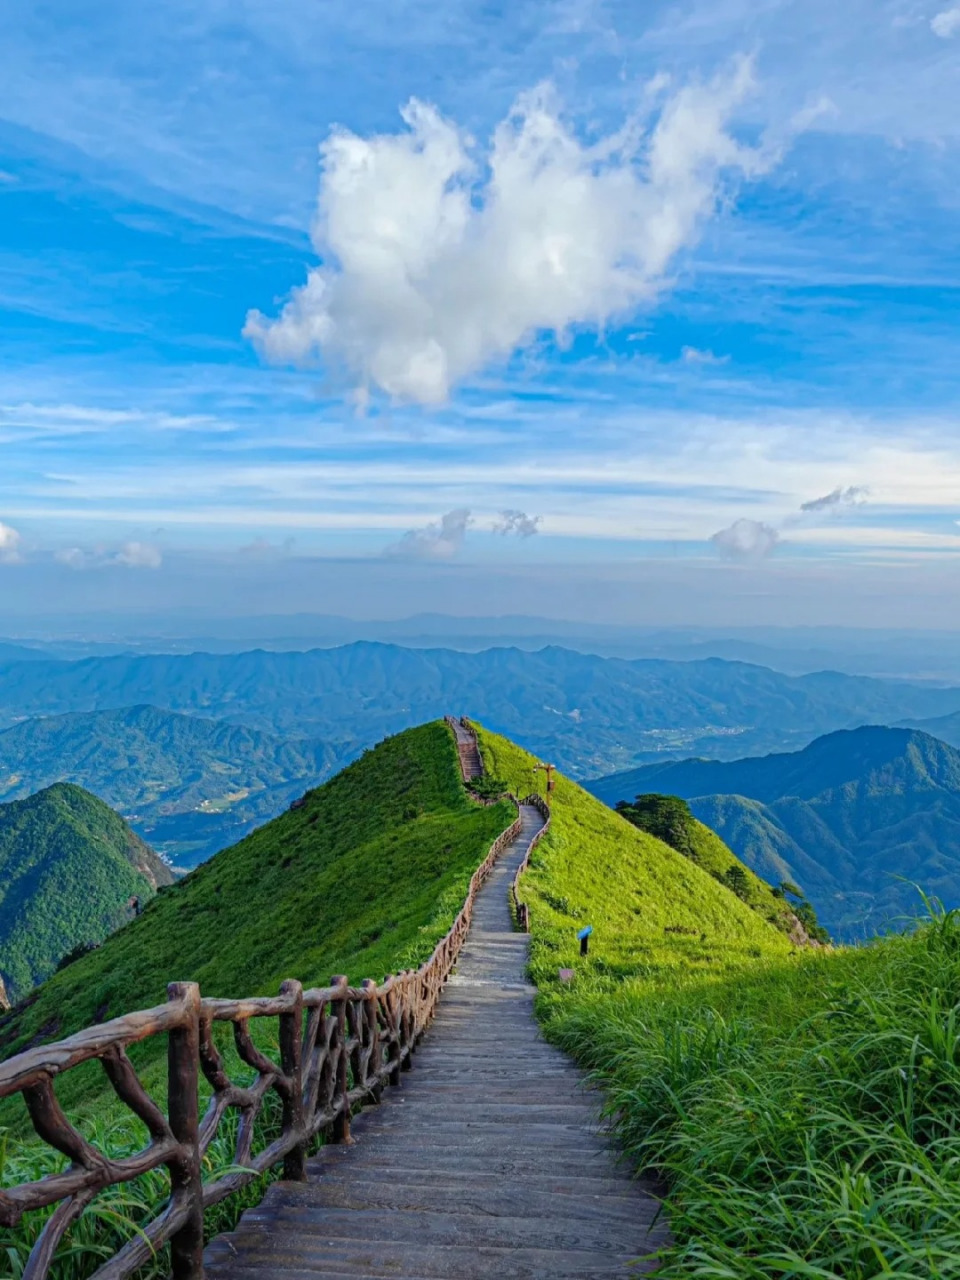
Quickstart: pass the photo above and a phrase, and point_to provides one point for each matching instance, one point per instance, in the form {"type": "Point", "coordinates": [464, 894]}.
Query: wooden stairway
{"type": "Point", "coordinates": [487, 1163]}
{"type": "Point", "coordinates": [470, 762]}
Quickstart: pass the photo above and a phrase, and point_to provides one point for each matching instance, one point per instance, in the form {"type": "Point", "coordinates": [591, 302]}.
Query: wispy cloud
{"type": "Point", "coordinates": [440, 540]}
{"type": "Point", "coordinates": [946, 24]}
{"type": "Point", "coordinates": [432, 272]}
{"type": "Point", "coordinates": [837, 499]}
{"type": "Point", "coordinates": [693, 355]}
{"type": "Point", "coordinates": [129, 555]}
{"type": "Point", "coordinates": [518, 523]}
{"type": "Point", "coordinates": [746, 540]}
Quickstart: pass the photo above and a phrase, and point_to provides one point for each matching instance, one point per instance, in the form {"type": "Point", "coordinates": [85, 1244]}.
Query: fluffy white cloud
{"type": "Point", "coordinates": [746, 540]}
{"type": "Point", "coordinates": [130, 555]}
{"type": "Point", "coordinates": [9, 545]}
{"type": "Point", "coordinates": [434, 265]}
{"type": "Point", "coordinates": [853, 496]}
{"type": "Point", "coordinates": [437, 541]}
{"type": "Point", "coordinates": [946, 24]}
{"type": "Point", "coordinates": [517, 522]}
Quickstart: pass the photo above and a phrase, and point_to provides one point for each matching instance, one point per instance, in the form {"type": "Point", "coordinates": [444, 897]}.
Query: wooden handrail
{"type": "Point", "coordinates": [339, 1047]}
{"type": "Point", "coordinates": [520, 907]}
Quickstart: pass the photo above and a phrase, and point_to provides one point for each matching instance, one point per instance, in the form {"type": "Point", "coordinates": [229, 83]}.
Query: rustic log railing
{"type": "Point", "coordinates": [338, 1047]}
{"type": "Point", "coordinates": [520, 907]}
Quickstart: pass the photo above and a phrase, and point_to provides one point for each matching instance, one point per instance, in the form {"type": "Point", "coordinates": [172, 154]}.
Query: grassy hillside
{"type": "Point", "coordinates": [654, 912]}
{"type": "Point", "coordinates": [670, 819]}
{"type": "Point", "coordinates": [362, 879]}
{"type": "Point", "coordinates": [800, 1105]}
{"type": "Point", "coordinates": [190, 785]}
{"type": "Point", "coordinates": [856, 818]}
{"type": "Point", "coordinates": [68, 868]}
{"type": "Point", "coordinates": [802, 1113]}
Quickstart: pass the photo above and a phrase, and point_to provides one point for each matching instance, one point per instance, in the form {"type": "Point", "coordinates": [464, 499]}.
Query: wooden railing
{"type": "Point", "coordinates": [338, 1047]}
{"type": "Point", "coordinates": [520, 907]}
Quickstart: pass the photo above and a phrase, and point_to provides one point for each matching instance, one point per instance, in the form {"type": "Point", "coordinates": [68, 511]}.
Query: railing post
{"type": "Point", "coordinates": [183, 1069]}
{"type": "Point", "coordinates": [291, 1052]}
{"type": "Point", "coordinates": [341, 1126]}
{"type": "Point", "coordinates": [372, 1020]}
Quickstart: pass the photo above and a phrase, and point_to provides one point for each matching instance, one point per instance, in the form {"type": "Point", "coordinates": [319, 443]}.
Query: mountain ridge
{"type": "Point", "coordinates": [590, 714]}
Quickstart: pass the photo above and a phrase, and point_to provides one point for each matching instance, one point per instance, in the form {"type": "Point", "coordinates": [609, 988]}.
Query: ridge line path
{"type": "Point", "coordinates": [488, 1163]}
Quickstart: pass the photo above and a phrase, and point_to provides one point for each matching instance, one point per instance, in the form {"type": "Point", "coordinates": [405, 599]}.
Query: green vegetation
{"type": "Point", "coordinates": [805, 1114]}
{"type": "Point", "coordinates": [654, 912]}
{"type": "Point", "coordinates": [670, 820]}
{"type": "Point", "coordinates": [856, 818]}
{"type": "Point", "coordinates": [189, 785]}
{"type": "Point", "coordinates": [801, 1104]}
{"type": "Point", "coordinates": [69, 867]}
{"type": "Point", "coordinates": [363, 879]}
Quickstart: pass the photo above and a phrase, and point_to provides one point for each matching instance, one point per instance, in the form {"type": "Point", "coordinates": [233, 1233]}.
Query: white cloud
{"type": "Point", "coordinates": [139, 555]}
{"type": "Point", "coordinates": [693, 355]}
{"type": "Point", "coordinates": [435, 265]}
{"type": "Point", "coordinates": [517, 522]}
{"type": "Point", "coordinates": [438, 541]}
{"type": "Point", "coordinates": [130, 555]}
{"type": "Point", "coordinates": [746, 540]}
{"type": "Point", "coordinates": [946, 24]}
{"type": "Point", "coordinates": [853, 496]}
{"type": "Point", "coordinates": [9, 545]}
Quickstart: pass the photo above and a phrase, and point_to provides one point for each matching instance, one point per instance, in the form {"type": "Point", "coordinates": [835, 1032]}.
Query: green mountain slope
{"type": "Point", "coordinates": [69, 867]}
{"type": "Point", "coordinates": [189, 785]}
{"type": "Point", "coordinates": [588, 714]}
{"type": "Point", "coordinates": [850, 818]}
{"type": "Point", "coordinates": [654, 912]}
{"type": "Point", "coordinates": [363, 878]}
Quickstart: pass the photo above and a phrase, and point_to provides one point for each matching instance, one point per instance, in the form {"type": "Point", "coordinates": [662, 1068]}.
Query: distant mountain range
{"type": "Point", "coordinates": [588, 714]}
{"type": "Point", "coordinates": [189, 785]}
{"type": "Point", "coordinates": [69, 869]}
{"type": "Point", "coordinates": [850, 818]}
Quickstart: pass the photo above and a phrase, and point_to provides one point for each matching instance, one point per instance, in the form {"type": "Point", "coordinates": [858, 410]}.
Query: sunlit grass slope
{"type": "Point", "coordinates": [654, 912]}
{"type": "Point", "coordinates": [802, 1105]}
{"type": "Point", "coordinates": [363, 879]}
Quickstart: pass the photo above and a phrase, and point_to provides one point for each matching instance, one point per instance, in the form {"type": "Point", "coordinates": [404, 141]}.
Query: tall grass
{"type": "Point", "coordinates": [806, 1115]}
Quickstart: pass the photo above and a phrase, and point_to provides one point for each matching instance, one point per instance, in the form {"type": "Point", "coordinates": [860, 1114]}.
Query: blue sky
{"type": "Point", "coordinates": [798, 338]}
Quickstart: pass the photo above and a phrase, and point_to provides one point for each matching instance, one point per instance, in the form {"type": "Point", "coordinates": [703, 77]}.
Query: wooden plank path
{"type": "Point", "coordinates": [487, 1162]}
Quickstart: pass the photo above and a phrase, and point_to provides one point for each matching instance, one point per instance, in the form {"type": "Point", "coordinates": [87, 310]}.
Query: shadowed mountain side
{"type": "Point", "coordinates": [69, 868]}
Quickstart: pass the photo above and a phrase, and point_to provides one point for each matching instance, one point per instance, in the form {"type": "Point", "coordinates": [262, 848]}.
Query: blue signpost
{"type": "Point", "coordinates": [584, 936]}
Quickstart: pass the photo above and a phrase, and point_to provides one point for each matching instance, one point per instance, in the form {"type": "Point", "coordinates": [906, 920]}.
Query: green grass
{"type": "Point", "coordinates": [803, 1106]}
{"type": "Point", "coordinates": [364, 879]}
{"type": "Point", "coordinates": [669, 818]}
{"type": "Point", "coordinates": [654, 912]}
{"type": "Point", "coordinates": [806, 1115]}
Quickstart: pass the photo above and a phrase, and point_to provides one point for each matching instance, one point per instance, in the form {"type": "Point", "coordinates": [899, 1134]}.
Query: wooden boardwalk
{"type": "Point", "coordinates": [487, 1163]}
